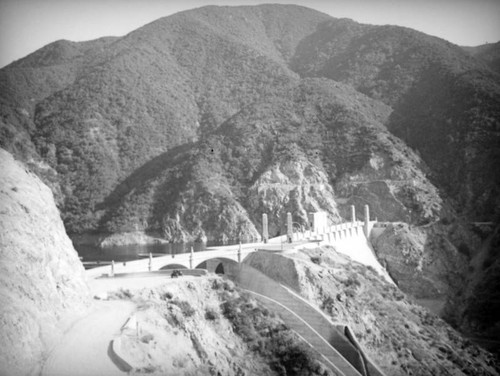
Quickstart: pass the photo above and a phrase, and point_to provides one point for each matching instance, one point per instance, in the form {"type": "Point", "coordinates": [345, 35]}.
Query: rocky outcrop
{"type": "Point", "coordinates": [392, 180]}
{"type": "Point", "coordinates": [298, 187]}
{"type": "Point", "coordinates": [41, 278]}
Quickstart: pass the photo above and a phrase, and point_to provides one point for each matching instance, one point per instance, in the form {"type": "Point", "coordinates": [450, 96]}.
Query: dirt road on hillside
{"type": "Point", "coordinates": [84, 349]}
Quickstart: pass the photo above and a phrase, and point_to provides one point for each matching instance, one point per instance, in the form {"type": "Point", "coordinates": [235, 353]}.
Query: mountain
{"type": "Point", "coordinates": [191, 127]}
{"type": "Point", "coordinates": [445, 105]}
{"type": "Point", "coordinates": [488, 53]}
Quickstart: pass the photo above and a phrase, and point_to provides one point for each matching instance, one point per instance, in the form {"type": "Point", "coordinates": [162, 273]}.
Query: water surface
{"type": "Point", "coordinates": [90, 253]}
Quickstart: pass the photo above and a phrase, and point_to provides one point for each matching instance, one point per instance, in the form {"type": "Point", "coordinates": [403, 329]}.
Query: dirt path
{"type": "Point", "coordinates": [84, 349]}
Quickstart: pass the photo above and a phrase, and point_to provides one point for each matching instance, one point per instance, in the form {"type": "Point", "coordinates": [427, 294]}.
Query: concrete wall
{"type": "Point", "coordinates": [318, 221]}
{"type": "Point", "coordinates": [332, 233]}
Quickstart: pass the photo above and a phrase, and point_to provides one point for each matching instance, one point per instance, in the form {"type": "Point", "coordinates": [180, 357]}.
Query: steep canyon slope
{"type": "Point", "coordinates": [192, 126]}
{"type": "Point", "coordinates": [41, 279]}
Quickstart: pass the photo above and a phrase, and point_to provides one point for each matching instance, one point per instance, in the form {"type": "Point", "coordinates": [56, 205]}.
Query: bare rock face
{"type": "Point", "coordinates": [298, 187]}
{"type": "Point", "coordinates": [41, 279]}
{"type": "Point", "coordinates": [393, 182]}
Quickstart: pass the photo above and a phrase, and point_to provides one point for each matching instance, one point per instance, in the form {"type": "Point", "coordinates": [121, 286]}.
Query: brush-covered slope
{"type": "Point", "coordinates": [321, 146]}
{"type": "Point", "coordinates": [445, 104]}
{"type": "Point", "coordinates": [208, 326]}
{"type": "Point", "coordinates": [101, 109]}
{"type": "Point", "coordinates": [41, 278]}
{"type": "Point", "coordinates": [488, 53]}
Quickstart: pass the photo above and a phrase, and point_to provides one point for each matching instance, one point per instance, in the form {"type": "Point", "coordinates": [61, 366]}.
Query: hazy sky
{"type": "Point", "coordinates": [26, 25]}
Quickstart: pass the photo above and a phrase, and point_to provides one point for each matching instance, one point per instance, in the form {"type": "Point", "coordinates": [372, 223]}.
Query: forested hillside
{"type": "Point", "coordinates": [488, 53]}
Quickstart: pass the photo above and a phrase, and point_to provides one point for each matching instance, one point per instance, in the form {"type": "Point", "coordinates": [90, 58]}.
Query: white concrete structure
{"type": "Point", "coordinates": [188, 260]}
{"type": "Point", "coordinates": [348, 238]}
{"type": "Point", "coordinates": [318, 221]}
{"type": "Point", "coordinates": [265, 231]}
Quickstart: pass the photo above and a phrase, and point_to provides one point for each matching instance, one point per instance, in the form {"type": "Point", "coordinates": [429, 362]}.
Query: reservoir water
{"type": "Point", "coordinates": [88, 253]}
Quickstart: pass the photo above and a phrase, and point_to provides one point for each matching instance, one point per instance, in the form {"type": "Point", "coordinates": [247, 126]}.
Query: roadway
{"type": "Point", "coordinates": [84, 348]}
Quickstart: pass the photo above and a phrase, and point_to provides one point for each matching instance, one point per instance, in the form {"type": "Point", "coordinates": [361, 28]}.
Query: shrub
{"type": "Point", "coordinates": [211, 314]}
{"type": "Point", "coordinates": [147, 369]}
{"type": "Point", "coordinates": [350, 292]}
{"type": "Point", "coordinates": [371, 269]}
{"type": "Point", "coordinates": [216, 284]}
{"type": "Point", "coordinates": [446, 221]}
{"type": "Point", "coordinates": [228, 286]}
{"type": "Point", "coordinates": [146, 338]}
{"type": "Point", "coordinates": [328, 304]}
{"type": "Point", "coordinates": [121, 294]}
{"type": "Point", "coordinates": [167, 296]}
{"type": "Point", "coordinates": [464, 249]}
{"type": "Point", "coordinates": [352, 281]}
{"type": "Point", "coordinates": [488, 262]}
{"type": "Point", "coordinates": [316, 260]}
{"type": "Point", "coordinates": [295, 357]}
{"type": "Point", "coordinates": [185, 307]}
{"type": "Point", "coordinates": [270, 337]}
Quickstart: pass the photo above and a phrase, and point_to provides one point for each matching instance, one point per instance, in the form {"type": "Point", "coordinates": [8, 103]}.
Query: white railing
{"type": "Point", "coordinates": [333, 233]}
{"type": "Point", "coordinates": [189, 260]}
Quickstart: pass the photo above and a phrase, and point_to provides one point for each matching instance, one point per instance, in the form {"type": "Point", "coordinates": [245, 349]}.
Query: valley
{"type": "Point", "coordinates": [190, 128]}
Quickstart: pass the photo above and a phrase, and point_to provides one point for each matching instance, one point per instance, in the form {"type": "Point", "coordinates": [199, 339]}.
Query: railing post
{"type": "Point", "coordinates": [112, 268]}
{"type": "Point", "coordinates": [150, 264]}
{"type": "Point", "coordinates": [367, 221]}
{"type": "Point", "coordinates": [265, 231]}
{"type": "Point", "coordinates": [239, 254]}
{"type": "Point", "coordinates": [191, 256]}
{"type": "Point", "coordinates": [289, 227]}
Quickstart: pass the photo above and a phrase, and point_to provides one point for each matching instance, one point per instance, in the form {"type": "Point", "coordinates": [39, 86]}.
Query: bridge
{"type": "Point", "coordinates": [343, 236]}
{"type": "Point", "coordinates": [208, 259]}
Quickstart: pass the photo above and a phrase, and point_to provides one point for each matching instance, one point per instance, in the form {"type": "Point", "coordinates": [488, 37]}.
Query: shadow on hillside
{"type": "Point", "coordinates": [306, 61]}
{"type": "Point", "coordinates": [145, 173]}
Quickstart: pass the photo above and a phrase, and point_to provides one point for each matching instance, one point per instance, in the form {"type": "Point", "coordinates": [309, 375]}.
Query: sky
{"type": "Point", "coordinates": [27, 25]}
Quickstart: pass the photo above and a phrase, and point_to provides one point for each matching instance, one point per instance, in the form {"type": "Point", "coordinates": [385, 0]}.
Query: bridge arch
{"type": "Point", "coordinates": [173, 266]}
{"type": "Point", "coordinates": [230, 258]}
{"type": "Point", "coordinates": [220, 268]}
{"type": "Point", "coordinates": [219, 265]}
